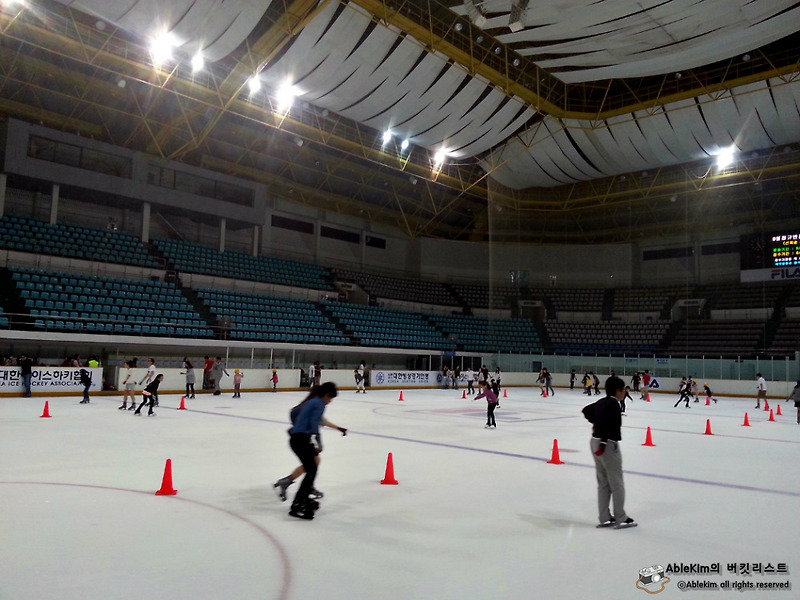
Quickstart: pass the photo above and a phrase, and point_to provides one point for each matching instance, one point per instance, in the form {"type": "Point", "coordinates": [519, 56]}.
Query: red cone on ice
{"type": "Point", "coordinates": [778, 412]}
{"type": "Point", "coordinates": [46, 411]}
{"type": "Point", "coordinates": [556, 459]}
{"type": "Point", "coordinates": [708, 427]}
{"type": "Point", "coordinates": [388, 478]}
{"type": "Point", "coordinates": [166, 482]}
{"type": "Point", "coordinates": [183, 403]}
{"type": "Point", "coordinates": [648, 440]}
{"type": "Point", "coordinates": [464, 395]}
{"type": "Point", "coordinates": [771, 417]}
{"type": "Point", "coordinates": [400, 399]}
{"type": "Point", "coordinates": [746, 421]}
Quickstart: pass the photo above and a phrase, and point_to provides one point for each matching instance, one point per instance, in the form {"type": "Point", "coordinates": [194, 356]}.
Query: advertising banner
{"type": "Point", "coordinates": [48, 380]}
{"type": "Point", "coordinates": [380, 378]}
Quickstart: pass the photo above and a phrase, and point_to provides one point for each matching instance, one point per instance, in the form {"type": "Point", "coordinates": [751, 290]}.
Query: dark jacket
{"type": "Point", "coordinates": [605, 415]}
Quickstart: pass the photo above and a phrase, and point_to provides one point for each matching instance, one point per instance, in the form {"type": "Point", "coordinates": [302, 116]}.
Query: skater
{"type": "Point", "coordinates": [469, 375]}
{"type": "Point", "coordinates": [635, 380]}
{"type": "Point", "coordinates": [216, 375]}
{"type": "Point", "coordinates": [274, 380]}
{"type": "Point", "coordinates": [359, 377]}
{"type": "Point", "coordinates": [86, 382]}
{"type": "Point", "coordinates": [709, 393]}
{"type": "Point", "coordinates": [572, 378]}
{"type": "Point", "coordinates": [587, 383]}
{"type": "Point", "coordinates": [491, 404]}
{"type": "Point", "coordinates": [149, 395]}
{"type": "Point", "coordinates": [596, 380]}
{"type": "Point", "coordinates": [188, 370]}
{"type": "Point", "coordinates": [284, 482]}
{"type": "Point", "coordinates": [305, 442]}
{"type": "Point", "coordinates": [761, 390]}
{"type": "Point", "coordinates": [693, 389]}
{"type": "Point", "coordinates": [622, 405]}
{"type": "Point", "coordinates": [645, 384]}
{"type": "Point", "coordinates": [150, 376]}
{"type": "Point", "coordinates": [237, 383]}
{"type": "Point", "coordinates": [684, 392]}
{"type": "Point", "coordinates": [605, 417]}
{"type": "Point", "coordinates": [795, 395]}
{"type": "Point", "coordinates": [548, 382]}
{"type": "Point", "coordinates": [130, 388]}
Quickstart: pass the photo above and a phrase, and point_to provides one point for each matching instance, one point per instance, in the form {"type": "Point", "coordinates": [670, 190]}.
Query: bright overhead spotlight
{"type": "Point", "coordinates": [438, 159]}
{"type": "Point", "coordinates": [725, 157]}
{"type": "Point", "coordinates": [161, 48]}
{"type": "Point", "coordinates": [518, 7]}
{"type": "Point", "coordinates": [198, 62]}
{"type": "Point", "coordinates": [404, 145]}
{"type": "Point", "coordinates": [515, 62]}
{"type": "Point", "coordinates": [285, 97]}
{"type": "Point", "coordinates": [387, 136]}
{"type": "Point", "coordinates": [254, 84]}
{"type": "Point", "coordinates": [475, 12]}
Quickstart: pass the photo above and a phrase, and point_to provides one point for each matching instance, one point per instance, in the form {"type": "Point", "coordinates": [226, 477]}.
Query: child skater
{"type": "Point", "coordinates": [237, 383]}
{"type": "Point", "coordinates": [86, 382]}
{"type": "Point", "coordinates": [709, 393]}
{"type": "Point", "coordinates": [190, 377]}
{"type": "Point", "coordinates": [149, 396]}
{"type": "Point", "coordinates": [274, 380]}
{"type": "Point", "coordinates": [491, 404]}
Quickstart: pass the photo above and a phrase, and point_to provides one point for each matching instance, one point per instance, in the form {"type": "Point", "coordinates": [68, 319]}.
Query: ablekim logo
{"type": "Point", "coordinates": [652, 579]}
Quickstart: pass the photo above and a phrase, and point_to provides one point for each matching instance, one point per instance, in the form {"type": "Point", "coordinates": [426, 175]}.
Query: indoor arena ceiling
{"type": "Point", "coordinates": [565, 121]}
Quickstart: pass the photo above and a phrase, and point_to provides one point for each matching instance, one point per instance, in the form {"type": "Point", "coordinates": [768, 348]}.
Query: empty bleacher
{"type": "Point", "coordinates": [481, 334]}
{"type": "Point", "coordinates": [269, 318]}
{"type": "Point", "coordinates": [606, 336]}
{"type": "Point", "coordinates": [194, 258]}
{"type": "Point", "coordinates": [729, 338]}
{"type": "Point", "coordinates": [59, 301]}
{"type": "Point", "coordinates": [385, 327]}
{"type": "Point", "coordinates": [408, 290]}
{"type": "Point", "coordinates": [25, 234]}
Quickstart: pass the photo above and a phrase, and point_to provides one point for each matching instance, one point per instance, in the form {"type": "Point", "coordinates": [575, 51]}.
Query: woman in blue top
{"type": "Point", "coordinates": [305, 442]}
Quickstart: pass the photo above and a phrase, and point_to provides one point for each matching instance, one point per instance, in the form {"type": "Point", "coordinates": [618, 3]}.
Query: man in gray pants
{"type": "Point", "coordinates": [606, 418]}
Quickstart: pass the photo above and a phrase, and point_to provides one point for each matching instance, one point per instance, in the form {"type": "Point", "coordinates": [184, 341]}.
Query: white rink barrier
{"type": "Point", "coordinates": [49, 380]}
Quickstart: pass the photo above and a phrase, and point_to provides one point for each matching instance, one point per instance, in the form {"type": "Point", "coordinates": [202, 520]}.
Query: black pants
{"type": "Point", "coordinates": [683, 397]}
{"type": "Point", "coordinates": [151, 399]}
{"type": "Point", "coordinates": [490, 413]}
{"type": "Point", "coordinates": [301, 445]}
{"type": "Point", "coordinates": [190, 386]}
{"type": "Point", "coordinates": [470, 389]}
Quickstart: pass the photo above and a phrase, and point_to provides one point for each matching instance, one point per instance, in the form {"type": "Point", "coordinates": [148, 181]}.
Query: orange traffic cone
{"type": "Point", "coordinates": [400, 399]}
{"type": "Point", "coordinates": [183, 403]}
{"type": "Point", "coordinates": [746, 421]}
{"type": "Point", "coordinates": [648, 440]}
{"type": "Point", "coordinates": [708, 427]}
{"type": "Point", "coordinates": [766, 405]}
{"type": "Point", "coordinates": [708, 401]}
{"type": "Point", "coordinates": [545, 392]}
{"type": "Point", "coordinates": [556, 459]}
{"type": "Point", "coordinates": [505, 394]}
{"type": "Point", "coordinates": [771, 417]}
{"type": "Point", "coordinates": [166, 482]}
{"type": "Point", "coordinates": [46, 411]}
{"type": "Point", "coordinates": [464, 395]}
{"type": "Point", "coordinates": [388, 478]}
{"type": "Point", "coordinates": [648, 396]}
{"type": "Point", "coordinates": [778, 412]}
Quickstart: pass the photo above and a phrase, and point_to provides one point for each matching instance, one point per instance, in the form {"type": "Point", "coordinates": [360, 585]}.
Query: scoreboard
{"type": "Point", "coordinates": [785, 250]}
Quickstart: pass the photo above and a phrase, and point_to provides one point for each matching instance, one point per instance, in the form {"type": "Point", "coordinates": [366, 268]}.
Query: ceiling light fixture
{"type": "Point", "coordinates": [404, 145]}
{"type": "Point", "coordinates": [475, 12]}
{"type": "Point", "coordinates": [387, 136]}
{"type": "Point", "coordinates": [161, 47]}
{"type": "Point", "coordinates": [518, 8]}
{"type": "Point", "coordinates": [725, 157]}
{"type": "Point", "coordinates": [254, 84]}
{"type": "Point", "coordinates": [198, 62]}
{"type": "Point", "coordinates": [285, 97]}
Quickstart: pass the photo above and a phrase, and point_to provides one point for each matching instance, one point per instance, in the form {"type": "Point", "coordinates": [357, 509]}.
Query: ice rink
{"type": "Point", "coordinates": [477, 513]}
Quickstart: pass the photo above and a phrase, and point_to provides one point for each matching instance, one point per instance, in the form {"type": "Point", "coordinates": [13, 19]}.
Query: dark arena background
{"type": "Point", "coordinates": [410, 191]}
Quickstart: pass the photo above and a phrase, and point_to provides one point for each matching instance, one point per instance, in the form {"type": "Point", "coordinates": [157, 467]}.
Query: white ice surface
{"type": "Point", "coordinates": [477, 513]}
